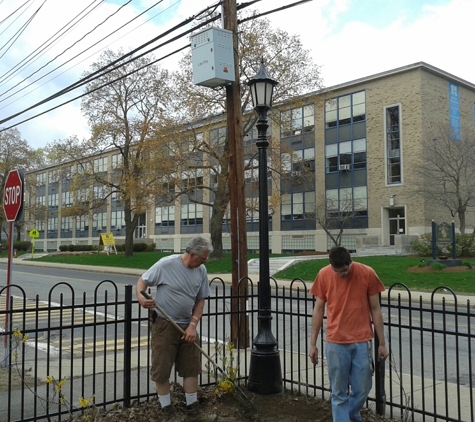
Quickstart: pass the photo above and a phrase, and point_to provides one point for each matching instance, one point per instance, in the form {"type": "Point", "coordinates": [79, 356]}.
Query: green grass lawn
{"type": "Point", "coordinates": [391, 269]}
{"type": "Point", "coordinates": [394, 269]}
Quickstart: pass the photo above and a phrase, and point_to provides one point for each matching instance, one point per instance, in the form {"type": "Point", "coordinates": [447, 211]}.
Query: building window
{"type": "Point", "coordinates": [116, 160]}
{"type": "Point", "coordinates": [345, 155]}
{"type": "Point", "coordinates": [347, 207]}
{"type": "Point", "coordinates": [393, 145]}
{"type": "Point", "coordinates": [298, 211]}
{"type": "Point", "coordinates": [40, 201]}
{"type": "Point", "coordinates": [217, 136]}
{"type": "Point", "coordinates": [99, 221]}
{"type": "Point", "coordinates": [67, 199]}
{"type": "Point", "coordinates": [117, 219]}
{"type": "Point", "coordinates": [40, 179]}
{"type": "Point", "coordinates": [297, 121]}
{"type": "Point", "coordinates": [40, 226]}
{"type": "Point", "coordinates": [53, 200]}
{"type": "Point", "coordinates": [100, 165]}
{"type": "Point", "coordinates": [53, 225]}
{"type": "Point", "coordinates": [346, 109]}
{"type": "Point", "coordinates": [165, 220]}
{"type": "Point", "coordinates": [66, 223]}
{"type": "Point", "coordinates": [191, 216]}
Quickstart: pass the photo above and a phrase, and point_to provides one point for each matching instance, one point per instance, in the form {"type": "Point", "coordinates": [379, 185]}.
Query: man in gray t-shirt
{"type": "Point", "coordinates": [182, 287]}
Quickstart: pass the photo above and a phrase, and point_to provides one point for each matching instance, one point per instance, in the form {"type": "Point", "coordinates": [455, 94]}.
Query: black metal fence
{"type": "Point", "coordinates": [98, 346]}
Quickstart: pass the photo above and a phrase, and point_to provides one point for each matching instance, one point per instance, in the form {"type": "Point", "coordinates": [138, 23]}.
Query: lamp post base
{"type": "Point", "coordinates": [265, 373]}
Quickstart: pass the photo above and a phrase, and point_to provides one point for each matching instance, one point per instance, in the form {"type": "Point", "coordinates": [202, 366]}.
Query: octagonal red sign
{"type": "Point", "coordinates": [13, 195]}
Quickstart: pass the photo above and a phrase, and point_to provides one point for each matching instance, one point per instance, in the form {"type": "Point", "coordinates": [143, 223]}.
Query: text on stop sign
{"type": "Point", "coordinates": [12, 195]}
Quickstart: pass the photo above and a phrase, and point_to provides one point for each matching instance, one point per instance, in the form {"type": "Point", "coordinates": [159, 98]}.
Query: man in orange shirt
{"type": "Point", "coordinates": [350, 291]}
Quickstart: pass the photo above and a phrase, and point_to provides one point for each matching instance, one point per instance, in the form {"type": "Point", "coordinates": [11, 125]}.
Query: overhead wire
{"type": "Point", "coordinates": [87, 79]}
{"type": "Point", "coordinates": [63, 52]}
{"type": "Point", "coordinates": [97, 74]}
{"type": "Point", "coordinates": [111, 65]}
{"type": "Point", "coordinates": [272, 11]}
{"type": "Point", "coordinates": [20, 31]}
{"type": "Point", "coordinates": [86, 49]}
{"type": "Point", "coordinates": [49, 43]}
{"type": "Point", "coordinates": [16, 10]}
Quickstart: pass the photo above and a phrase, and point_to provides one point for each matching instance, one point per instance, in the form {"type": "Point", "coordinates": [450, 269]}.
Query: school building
{"type": "Point", "coordinates": [354, 152]}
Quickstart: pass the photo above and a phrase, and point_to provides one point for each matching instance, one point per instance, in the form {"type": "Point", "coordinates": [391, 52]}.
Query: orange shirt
{"type": "Point", "coordinates": [348, 310]}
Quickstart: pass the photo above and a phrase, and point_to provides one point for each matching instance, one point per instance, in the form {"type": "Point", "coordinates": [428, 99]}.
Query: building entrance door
{"type": "Point", "coordinates": [397, 223]}
{"type": "Point", "coordinates": [141, 230]}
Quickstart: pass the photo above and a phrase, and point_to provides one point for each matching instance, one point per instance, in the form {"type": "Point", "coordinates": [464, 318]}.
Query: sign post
{"type": "Point", "coordinates": [12, 206]}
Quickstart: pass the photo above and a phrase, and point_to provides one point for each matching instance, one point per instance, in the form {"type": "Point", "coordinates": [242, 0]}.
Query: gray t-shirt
{"type": "Point", "coordinates": [178, 287]}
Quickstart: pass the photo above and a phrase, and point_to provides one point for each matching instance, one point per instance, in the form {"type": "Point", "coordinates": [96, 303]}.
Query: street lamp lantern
{"type": "Point", "coordinates": [262, 89]}
{"type": "Point", "coordinates": [265, 373]}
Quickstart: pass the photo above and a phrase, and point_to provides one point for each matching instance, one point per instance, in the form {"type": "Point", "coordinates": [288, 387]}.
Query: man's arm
{"type": "Point", "coordinates": [377, 317]}
{"type": "Point", "coordinates": [145, 303]}
{"type": "Point", "coordinates": [190, 332]}
{"type": "Point", "coordinates": [317, 322]}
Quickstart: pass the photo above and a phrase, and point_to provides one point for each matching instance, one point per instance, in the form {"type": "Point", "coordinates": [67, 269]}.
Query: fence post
{"type": "Point", "coordinates": [379, 377]}
{"type": "Point", "coordinates": [127, 344]}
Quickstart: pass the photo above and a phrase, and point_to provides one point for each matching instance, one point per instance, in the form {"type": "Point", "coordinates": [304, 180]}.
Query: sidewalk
{"type": "Point", "coordinates": [427, 297]}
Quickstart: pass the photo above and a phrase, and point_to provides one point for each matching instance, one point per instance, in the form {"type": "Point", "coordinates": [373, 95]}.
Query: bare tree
{"type": "Point", "coordinates": [335, 213]}
{"type": "Point", "coordinates": [126, 109]}
{"type": "Point", "coordinates": [15, 154]}
{"type": "Point", "coordinates": [448, 173]}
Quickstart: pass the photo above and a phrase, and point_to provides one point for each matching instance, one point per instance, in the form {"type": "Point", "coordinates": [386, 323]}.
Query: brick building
{"type": "Point", "coordinates": [353, 151]}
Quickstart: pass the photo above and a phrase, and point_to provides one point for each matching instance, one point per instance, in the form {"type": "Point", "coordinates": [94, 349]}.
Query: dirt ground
{"type": "Point", "coordinates": [428, 269]}
{"type": "Point", "coordinates": [284, 407]}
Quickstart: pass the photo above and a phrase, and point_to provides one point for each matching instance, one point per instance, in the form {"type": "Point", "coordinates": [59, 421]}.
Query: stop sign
{"type": "Point", "coordinates": [13, 195]}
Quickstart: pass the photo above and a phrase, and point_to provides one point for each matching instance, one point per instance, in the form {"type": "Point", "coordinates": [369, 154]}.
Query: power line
{"type": "Point", "coordinates": [107, 69]}
{"type": "Point", "coordinates": [87, 49]}
{"type": "Point", "coordinates": [102, 71]}
{"type": "Point", "coordinates": [23, 27]}
{"type": "Point", "coordinates": [16, 10]}
{"type": "Point", "coordinates": [48, 43]}
{"type": "Point", "coordinates": [58, 55]}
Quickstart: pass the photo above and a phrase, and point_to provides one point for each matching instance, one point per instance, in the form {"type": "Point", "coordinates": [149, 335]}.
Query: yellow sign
{"type": "Point", "coordinates": [34, 234]}
{"type": "Point", "coordinates": [107, 239]}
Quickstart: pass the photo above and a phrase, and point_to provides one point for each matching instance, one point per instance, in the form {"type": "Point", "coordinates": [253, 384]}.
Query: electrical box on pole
{"type": "Point", "coordinates": [213, 57]}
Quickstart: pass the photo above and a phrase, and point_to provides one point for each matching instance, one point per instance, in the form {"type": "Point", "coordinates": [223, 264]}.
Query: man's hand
{"type": "Point", "coordinates": [190, 333]}
{"type": "Point", "coordinates": [383, 352]}
{"type": "Point", "coordinates": [145, 300]}
{"type": "Point", "coordinates": [313, 354]}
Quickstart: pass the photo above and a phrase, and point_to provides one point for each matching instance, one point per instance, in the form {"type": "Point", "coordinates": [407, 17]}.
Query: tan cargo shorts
{"type": "Point", "coordinates": [168, 348]}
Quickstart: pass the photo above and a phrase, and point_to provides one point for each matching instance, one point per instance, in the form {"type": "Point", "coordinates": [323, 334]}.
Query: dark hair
{"type": "Point", "coordinates": [339, 257]}
{"type": "Point", "coordinates": [197, 245]}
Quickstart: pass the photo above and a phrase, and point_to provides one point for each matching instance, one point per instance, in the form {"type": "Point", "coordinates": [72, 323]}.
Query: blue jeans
{"type": "Point", "coordinates": [349, 365]}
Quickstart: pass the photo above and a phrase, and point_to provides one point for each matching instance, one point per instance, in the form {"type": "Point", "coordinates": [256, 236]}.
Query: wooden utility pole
{"type": "Point", "coordinates": [239, 320]}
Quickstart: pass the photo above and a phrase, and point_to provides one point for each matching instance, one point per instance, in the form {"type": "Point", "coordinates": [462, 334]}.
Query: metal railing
{"type": "Point", "coordinates": [100, 344]}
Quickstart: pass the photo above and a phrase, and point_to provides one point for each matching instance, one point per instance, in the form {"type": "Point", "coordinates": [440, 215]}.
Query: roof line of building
{"type": "Point", "coordinates": [401, 69]}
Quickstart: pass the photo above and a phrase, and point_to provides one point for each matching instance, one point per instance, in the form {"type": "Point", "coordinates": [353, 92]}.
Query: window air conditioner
{"type": "Point", "coordinates": [344, 167]}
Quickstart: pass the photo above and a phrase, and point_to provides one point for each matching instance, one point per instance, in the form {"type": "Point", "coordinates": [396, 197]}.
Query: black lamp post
{"type": "Point", "coordinates": [265, 374]}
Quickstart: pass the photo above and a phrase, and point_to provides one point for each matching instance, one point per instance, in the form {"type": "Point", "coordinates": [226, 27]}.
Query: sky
{"type": "Point", "coordinates": [40, 54]}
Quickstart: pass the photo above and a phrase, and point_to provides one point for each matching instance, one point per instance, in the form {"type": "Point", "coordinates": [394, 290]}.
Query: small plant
{"type": "Point", "coordinates": [225, 354]}
{"type": "Point", "coordinates": [437, 266]}
{"type": "Point", "coordinates": [422, 264]}
{"type": "Point", "coordinates": [90, 412]}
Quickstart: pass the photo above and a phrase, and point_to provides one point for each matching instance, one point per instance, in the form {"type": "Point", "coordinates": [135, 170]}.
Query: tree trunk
{"type": "Point", "coordinates": [462, 221]}
{"type": "Point", "coordinates": [130, 226]}
{"type": "Point", "coordinates": [216, 229]}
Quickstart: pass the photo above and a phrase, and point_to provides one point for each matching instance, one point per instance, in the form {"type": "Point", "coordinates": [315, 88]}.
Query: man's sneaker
{"type": "Point", "coordinates": [193, 414]}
